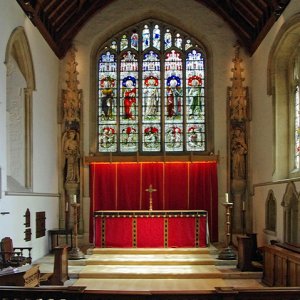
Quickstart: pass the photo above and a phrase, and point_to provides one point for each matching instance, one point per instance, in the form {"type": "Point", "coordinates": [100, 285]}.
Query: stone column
{"type": "Point", "coordinates": [238, 118]}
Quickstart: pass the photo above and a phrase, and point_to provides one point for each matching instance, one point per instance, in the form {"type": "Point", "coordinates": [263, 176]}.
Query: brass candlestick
{"type": "Point", "coordinates": [75, 252]}
{"type": "Point", "coordinates": [227, 253]}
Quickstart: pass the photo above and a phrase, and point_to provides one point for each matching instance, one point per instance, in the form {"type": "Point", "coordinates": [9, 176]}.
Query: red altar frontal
{"type": "Point", "coordinates": [151, 229]}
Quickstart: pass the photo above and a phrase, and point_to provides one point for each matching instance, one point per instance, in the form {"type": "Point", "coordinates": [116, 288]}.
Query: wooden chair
{"type": "Point", "coordinates": [11, 256]}
{"type": "Point", "coordinates": [60, 269]}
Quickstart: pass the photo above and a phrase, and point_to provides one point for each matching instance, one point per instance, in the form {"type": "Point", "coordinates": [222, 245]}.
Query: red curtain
{"type": "Point", "coordinates": [180, 186]}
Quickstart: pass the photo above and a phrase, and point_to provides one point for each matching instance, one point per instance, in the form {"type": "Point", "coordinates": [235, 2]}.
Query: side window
{"type": "Point", "coordinates": [296, 111]}
{"type": "Point", "coordinates": [19, 86]}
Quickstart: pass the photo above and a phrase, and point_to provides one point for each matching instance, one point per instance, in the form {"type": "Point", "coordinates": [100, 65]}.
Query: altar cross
{"type": "Point", "coordinates": [150, 190]}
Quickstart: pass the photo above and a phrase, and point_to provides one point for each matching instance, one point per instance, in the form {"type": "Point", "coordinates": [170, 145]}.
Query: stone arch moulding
{"type": "Point", "coordinates": [18, 48]}
{"type": "Point", "coordinates": [281, 49]}
{"type": "Point", "coordinates": [278, 86]}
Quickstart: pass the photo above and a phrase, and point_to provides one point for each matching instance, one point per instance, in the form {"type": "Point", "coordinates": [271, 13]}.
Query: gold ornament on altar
{"type": "Point", "coordinates": [150, 190]}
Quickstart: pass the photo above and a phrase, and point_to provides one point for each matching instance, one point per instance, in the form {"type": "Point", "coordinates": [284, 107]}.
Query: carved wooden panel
{"type": "Point", "coordinates": [27, 218]}
{"type": "Point", "coordinates": [40, 224]}
{"type": "Point", "coordinates": [27, 234]}
{"type": "Point", "coordinates": [281, 267]}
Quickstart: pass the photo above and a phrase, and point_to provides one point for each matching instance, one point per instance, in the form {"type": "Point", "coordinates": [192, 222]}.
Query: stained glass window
{"type": "Point", "coordinates": [296, 84]}
{"type": "Point", "coordinates": [297, 126]}
{"type": "Point", "coordinates": [152, 92]}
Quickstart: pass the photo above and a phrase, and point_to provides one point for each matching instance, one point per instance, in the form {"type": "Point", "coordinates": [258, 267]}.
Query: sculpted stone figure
{"type": "Point", "coordinates": [238, 152]}
{"type": "Point", "coordinates": [72, 154]}
{"type": "Point", "coordinates": [238, 108]}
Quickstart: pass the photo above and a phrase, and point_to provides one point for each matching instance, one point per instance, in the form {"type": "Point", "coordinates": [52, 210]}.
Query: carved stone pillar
{"type": "Point", "coordinates": [71, 138]}
{"type": "Point", "coordinates": [238, 108]}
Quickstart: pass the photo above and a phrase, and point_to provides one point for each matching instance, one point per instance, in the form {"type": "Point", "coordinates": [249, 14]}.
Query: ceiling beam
{"type": "Point", "coordinates": [60, 20]}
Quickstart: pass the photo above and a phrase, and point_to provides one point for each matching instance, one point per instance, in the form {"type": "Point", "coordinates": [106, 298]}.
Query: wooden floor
{"type": "Point", "coordinates": [181, 269]}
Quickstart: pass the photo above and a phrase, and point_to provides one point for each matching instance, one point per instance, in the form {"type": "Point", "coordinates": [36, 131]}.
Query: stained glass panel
{"type": "Point", "coordinates": [146, 37]}
{"type": "Point", "coordinates": [151, 137]}
{"type": "Point", "coordinates": [174, 137]}
{"type": "Point", "coordinates": [129, 138]}
{"type": "Point", "coordinates": [173, 87]}
{"type": "Point", "coordinates": [128, 87]}
{"type": "Point", "coordinates": [195, 99]}
{"type": "Point", "coordinates": [124, 42]}
{"type": "Point", "coordinates": [168, 39]}
{"type": "Point", "coordinates": [151, 88]}
{"type": "Point", "coordinates": [107, 138]}
{"type": "Point", "coordinates": [297, 127]}
{"type": "Point", "coordinates": [114, 45]}
{"type": "Point", "coordinates": [156, 37]}
{"type": "Point", "coordinates": [135, 41]}
{"type": "Point", "coordinates": [107, 101]}
{"type": "Point", "coordinates": [195, 137]}
{"type": "Point", "coordinates": [128, 102]}
{"type": "Point", "coordinates": [178, 41]}
{"type": "Point", "coordinates": [188, 45]}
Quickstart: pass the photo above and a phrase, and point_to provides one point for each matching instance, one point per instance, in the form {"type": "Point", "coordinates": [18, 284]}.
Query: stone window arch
{"type": "Point", "coordinates": [282, 85]}
{"type": "Point", "coordinates": [20, 85]}
{"type": "Point", "coordinates": [271, 213]}
{"type": "Point", "coordinates": [151, 70]}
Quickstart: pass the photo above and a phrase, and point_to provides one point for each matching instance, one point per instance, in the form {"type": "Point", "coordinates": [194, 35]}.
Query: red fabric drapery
{"type": "Point", "coordinates": [180, 186]}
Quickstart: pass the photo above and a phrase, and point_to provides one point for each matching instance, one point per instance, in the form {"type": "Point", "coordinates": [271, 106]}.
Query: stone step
{"type": "Point", "coordinates": [164, 272]}
{"type": "Point", "coordinates": [151, 259]}
{"type": "Point", "coordinates": [206, 250]}
{"type": "Point", "coordinates": [177, 286]}
{"type": "Point", "coordinates": [147, 272]}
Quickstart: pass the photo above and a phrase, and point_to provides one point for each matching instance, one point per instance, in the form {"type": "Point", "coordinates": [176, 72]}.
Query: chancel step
{"type": "Point", "coordinates": [146, 271]}
{"type": "Point", "coordinates": [205, 250]}
{"type": "Point", "coordinates": [158, 263]}
{"type": "Point", "coordinates": [151, 259]}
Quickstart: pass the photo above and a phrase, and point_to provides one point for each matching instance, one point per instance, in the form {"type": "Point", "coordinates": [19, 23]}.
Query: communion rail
{"type": "Point", "coordinates": [79, 293]}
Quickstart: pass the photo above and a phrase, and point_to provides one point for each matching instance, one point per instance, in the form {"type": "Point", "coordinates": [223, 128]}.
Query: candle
{"type": "Point", "coordinates": [75, 198]}
{"type": "Point", "coordinates": [226, 197]}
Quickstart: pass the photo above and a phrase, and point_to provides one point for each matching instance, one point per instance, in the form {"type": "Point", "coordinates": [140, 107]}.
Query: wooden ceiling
{"type": "Point", "coordinates": [60, 20]}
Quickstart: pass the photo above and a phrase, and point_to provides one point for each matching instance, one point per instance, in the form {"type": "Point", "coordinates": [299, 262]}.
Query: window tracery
{"type": "Point", "coordinates": [151, 92]}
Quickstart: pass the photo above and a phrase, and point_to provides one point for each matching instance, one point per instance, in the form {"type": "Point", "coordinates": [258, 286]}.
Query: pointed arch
{"type": "Point", "coordinates": [290, 203]}
{"type": "Point", "coordinates": [18, 48]}
{"type": "Point", "coordinates": [271, 213]}
{"type": "Point", "coordinates": [279, 84]}
{"type": "Point", "coordinates": [114, 52]}
{"type": "Point", "coordinates": [20, 86]}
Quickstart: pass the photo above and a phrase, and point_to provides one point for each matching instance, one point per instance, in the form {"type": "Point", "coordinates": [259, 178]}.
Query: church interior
{"type": "Point", "coordinates": [150, 147]}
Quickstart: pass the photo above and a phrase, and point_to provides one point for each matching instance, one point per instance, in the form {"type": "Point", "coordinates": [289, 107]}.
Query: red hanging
{"type": "Point", "coordinates": [180, 186]}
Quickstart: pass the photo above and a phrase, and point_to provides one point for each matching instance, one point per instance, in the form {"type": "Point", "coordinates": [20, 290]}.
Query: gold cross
{"type": "Point", "coordinates": [150, 190]}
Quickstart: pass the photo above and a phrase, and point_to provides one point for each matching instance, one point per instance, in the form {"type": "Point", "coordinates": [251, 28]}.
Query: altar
{"type": "Point", "coordinates": [151, 229]}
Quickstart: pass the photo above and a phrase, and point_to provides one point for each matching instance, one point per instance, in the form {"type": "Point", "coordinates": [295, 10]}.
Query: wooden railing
{"type": "Point", "coordinates": [80, 293]}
